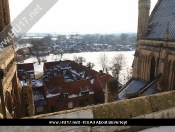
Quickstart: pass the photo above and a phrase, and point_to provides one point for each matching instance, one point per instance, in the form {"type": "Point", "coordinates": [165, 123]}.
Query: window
{"type": "Point", "coordinates": [55, 74]}
{"type": "Point", "coordinates": [64, 72]}
{"type": "Point", "coordinates": [85, 93]}
{"type": "Point", "coordinates": [70, 105]}
{"type": "Point", "coordinates": [39, 109]}
{"type": "Point", "coordinates": [60, 99]}
{"type": "Point", "coordinates": [52, 108]}
{"type": "Point", "coordinates": [48, 73]}
{"type": "Point", "coordinates": [64, 105]}
{"type": "Point", "coordinates": [32, 76]}
{"type": "Point", "coordinates": [81, 102]}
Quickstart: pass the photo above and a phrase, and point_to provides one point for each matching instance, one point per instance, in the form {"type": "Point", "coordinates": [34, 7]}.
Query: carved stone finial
{"type": "Point", "coordinates": [167, 31]}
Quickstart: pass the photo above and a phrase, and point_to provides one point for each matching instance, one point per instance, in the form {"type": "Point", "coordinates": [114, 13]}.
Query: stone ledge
{"type": "Point", "coordinates": [128, 108]}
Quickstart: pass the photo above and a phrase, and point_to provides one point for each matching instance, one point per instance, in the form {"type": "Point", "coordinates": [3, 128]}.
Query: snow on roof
{"type": "Point", "coordinates": [30, 71]}
{"type": "Point", "coordinates": [84, 89]}
{"type": "Point", "coordinates": [64, 68]}
{"type": "Point", "coordinates": [37, 95]}
{"type": "Point", "coordinates": [66, 77]}
{"type": "Point", "coordinates": [73, 96]}
{"type": "Point", "coordinates": [69, 80]}
{"type": "Point", "coordinates": [39, 83]}
{"type": "Point", "coordinates": [52, 95]}
{"type": "Point", "coordinates": [73, 75]}
{"type": "Point", "coordinates": [74, 71]}
{"type": "Point", "coordinates": [24, 83]}
{"type": "Point", "coordinates": [92, 81]}
{"type": "Point", "coordinates": [91, 92]}
{"type": "Point", "coordinates": [82, 76]}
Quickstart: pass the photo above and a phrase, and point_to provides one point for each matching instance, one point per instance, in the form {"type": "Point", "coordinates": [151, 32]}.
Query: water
{"type": "Point", "coordinates": [93, 57]}
{"type": "Point", "coordinates": [90, 57]}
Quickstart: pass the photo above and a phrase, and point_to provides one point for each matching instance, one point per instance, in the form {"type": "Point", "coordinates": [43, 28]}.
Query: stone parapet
{"type": "Point", "coordinates": [6, 56]}
{"type": "Point", "coordinates": [160, 105]}
{"type": "Point", "coordinates": [9, 75]}
{"type": "Point", "coordinates": [128, 108]}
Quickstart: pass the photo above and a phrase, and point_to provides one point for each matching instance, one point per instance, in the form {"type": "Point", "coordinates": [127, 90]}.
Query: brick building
{"type": "Point", "coordinates": [62, 95]}
{"type": "Point", "coordinates": [23, 51]}
{"type": "Point", "coordinates": [65, 85]}
{"type": "Point", "coordinates": [25, 71]}
{"type": "Point", "coordinates": [39, 100]}
{"type": "Point", "coordinates": [68, 85]}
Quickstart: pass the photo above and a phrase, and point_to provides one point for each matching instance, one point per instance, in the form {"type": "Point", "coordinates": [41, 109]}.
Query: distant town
{"type": "Point", "coordinates": [73, 43]}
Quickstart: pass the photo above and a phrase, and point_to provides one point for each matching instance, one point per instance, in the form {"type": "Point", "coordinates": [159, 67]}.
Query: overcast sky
{"type": "Point", "coordinates": [85, 16]}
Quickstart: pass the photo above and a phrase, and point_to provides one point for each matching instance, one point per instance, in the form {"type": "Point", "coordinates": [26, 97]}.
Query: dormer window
{"type": "Point", "coordinates": [85, 93]}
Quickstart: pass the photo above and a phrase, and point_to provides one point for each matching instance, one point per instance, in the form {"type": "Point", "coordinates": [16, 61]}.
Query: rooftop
{"type": "Point", "coordinates": [162, 14]}
{"type": "Point", "coordinates": [134, 87]}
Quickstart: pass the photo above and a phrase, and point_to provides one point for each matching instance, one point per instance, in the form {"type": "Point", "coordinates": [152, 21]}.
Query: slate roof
{"type": "Point", "coordinates": [133, 87]}
{"type": "Point", "coordinates": [150, 91]}
{"type": "Point", "coordinates": [161, 15]}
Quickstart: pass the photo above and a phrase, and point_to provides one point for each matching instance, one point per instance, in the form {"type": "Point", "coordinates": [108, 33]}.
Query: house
{"type": "Point", "coordinates": [65, 85]}
{"type": "Point", "coordinates": [23, 51]}
{"type": "Point", "coordinates": [62, 95]}
{"type": "Point", "coordinates": [70, 72]}
{"type": "Point", "coordinates": [25, 71]}
{"type": "Point", "coordinates": [40, 102]}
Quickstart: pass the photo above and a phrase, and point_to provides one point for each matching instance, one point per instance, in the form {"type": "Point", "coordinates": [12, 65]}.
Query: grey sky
{"type": "Point", "coordinates": [85, 16]}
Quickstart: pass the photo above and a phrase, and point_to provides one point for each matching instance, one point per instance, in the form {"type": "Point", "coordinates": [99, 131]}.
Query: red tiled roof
{"type": "Point", "coordinates": [75, 87]}
{"type": "Point", "coordinates": [25, 66]}
{"type": "Point", "coordinates": [25, 50]}
{"type": "Point", "coordinates": [55, 85]}
{"type": "Point", "coordinates": [49, 65]}
{"type": "Point", "coordinates": [103, 80]}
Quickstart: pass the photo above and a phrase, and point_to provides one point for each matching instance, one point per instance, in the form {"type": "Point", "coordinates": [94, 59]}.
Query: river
{"type": "Point", "coordinates": [93, 57]}
{"type": "Point", "coordinates": [90, 57]}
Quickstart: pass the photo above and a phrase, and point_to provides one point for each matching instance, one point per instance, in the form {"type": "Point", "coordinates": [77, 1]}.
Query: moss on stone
{"type": "Point", "coordinates": [162, 101]}
{"type": "Point", "coordinates": [128, 108]}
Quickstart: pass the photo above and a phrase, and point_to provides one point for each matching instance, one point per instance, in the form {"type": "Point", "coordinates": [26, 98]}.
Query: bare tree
{"type": "Point", "coordinates": [39, 55]}
{"type": "Point", "coordinates": [103, 61]}
{"type": "Point", "coordinates": [61, 55]}
{"type": "Point", "coordinates": [79, 59]}
{"type": "Point", "coordinates": [128, 73]}
{"type": "Point", "coordinates": [118, 63]}
{"type": "Point", "coordinates": [90, 65]}
{"type": "Point", "coordinates": [47, 40]}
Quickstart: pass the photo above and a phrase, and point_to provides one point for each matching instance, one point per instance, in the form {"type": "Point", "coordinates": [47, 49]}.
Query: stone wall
{"type": "Point", "coordinates": [27, 102]}
{"type": "Point", "coordinates": [163, 53]}
{"type": "Point", "coordinates": [154, 106]}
